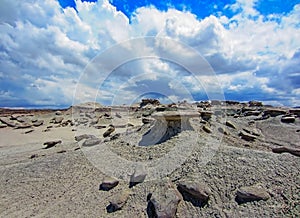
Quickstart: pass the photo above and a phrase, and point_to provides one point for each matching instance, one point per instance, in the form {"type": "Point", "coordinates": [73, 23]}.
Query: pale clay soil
{"type": "Point", "coordinates": [63, 181]}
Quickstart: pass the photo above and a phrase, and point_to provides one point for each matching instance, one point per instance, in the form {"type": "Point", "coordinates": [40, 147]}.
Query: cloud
{"type": "Point", "coordinates": [45, 49]}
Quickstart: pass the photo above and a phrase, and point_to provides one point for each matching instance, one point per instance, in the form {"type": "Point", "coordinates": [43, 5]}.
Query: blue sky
{"type": "Point", "coordinates": [246, 50]}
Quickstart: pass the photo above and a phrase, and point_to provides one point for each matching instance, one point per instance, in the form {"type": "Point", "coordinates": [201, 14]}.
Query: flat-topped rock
{"type": "Point", "coordinates": [168, 124]}
{"type": "Point", "coordinates": [175, 115]}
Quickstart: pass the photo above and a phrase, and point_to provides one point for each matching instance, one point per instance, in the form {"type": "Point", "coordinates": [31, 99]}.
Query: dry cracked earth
{"type": "Point", "coordinates": [206, 159]}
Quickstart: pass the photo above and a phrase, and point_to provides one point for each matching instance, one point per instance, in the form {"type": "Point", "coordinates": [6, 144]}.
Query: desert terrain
{"type": "Point", "coordinates": [204, 159]}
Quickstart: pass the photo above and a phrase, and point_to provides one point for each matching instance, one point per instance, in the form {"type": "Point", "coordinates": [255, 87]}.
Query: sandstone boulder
{"type": "Point", "coordinates": [251, 193]}
{"type": "Point", "coordinates": [108, 183]}
{"type": "Point", "coordinates": [197, 193]}
{"type": "Point", "coordinates": [118, 201]}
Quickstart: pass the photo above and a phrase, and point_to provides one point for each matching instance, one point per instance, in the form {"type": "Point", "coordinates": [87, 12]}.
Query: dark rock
{"type": "Point", "coordinates": [251, 193]}
{"type": "Point", "coordinates": [230, 124]}
{"type": "Point", "coordinates": [163, 205]}
{"type": "Point", "coordinates": [108, 183]}
{"type": "Point", "coordinates": [115, 136]}
{"type": "Point", "coordinates": [118, 115]}
{"type": "Point", "coordinates": [206, 115]}
{"type": "Point", "coordinates": [110, 130]}
{"type": "Point", "coordinates": [195, 192]}
{"type": "Point", "coordinates": [288, 119]}
{"type": "Point", "coordinates": [273, 112]}
{"type": "Point", "coordinates": [295, 112]}
{"type": "Point", "coordinates": [283, 149]}
{"type": "Point", "coordinates": [147, 120]}
{"type": "Point", "coordinates": [207, 129]}
{"type": "Point", "coordinates": [118, 201]}
{"type": "Point", "coordinates": [38, 123]}
{"type": "Point", "coordinates": [255, 104]}
{"type": "Point", "coordinates": [50, 144]}
{"type": "Point", "coordinates": [98, 126]}
{"type": "Point", "coordinates": [28, 131]}
{"type": "Point", "coordinates": [149, 101]}
{"type": "Point", "coordinates": [246, 136]}
{"type": "Point", "coordinates": [252, 113]}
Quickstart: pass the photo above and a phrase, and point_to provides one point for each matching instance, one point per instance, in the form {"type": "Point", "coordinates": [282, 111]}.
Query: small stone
{"type": "Point", "coordinates": [206, 115]}
{"type": "Point", "coordinates": [38, 123]}
{"type": "Point", "coordinates": [99, 126]}
{"type": "Point", "coordinates": [8, 122]}
{"type": "Point", "coordinates": [195, 192]}
{"type": "Point", "coordinates": [115, 136]}
{"type": "Point", "coordinates": [251, 193]}
{"type": "Point", "coordinates": [147, 120]}
{"type": "Point", "coordinates": [163, 205]}
{"type": "Point", "coordinates": [288, 119]}
{"type": "Point", "coordinates": [91, 142]}
{"type": "Point", "coordinates": [58, 120]}
{"type": "Point", "coordinates": [138, 176]}
{"type": "Point", "coordinates": [230, 124]}
{"type": "Point", "coordinates": [207, 129]}
{"type": "Point", "coordinates": [108, 131]}
{"type": "Point", "coordinates": [108, 183]}
{"type": "Point", "coordinates": [2, 125]}
{"type": "Point", "coordinates": [28, 131]}
{"type": "Point", "coordinates": [50, 144]}
{"type": "Point", "coordinates": [274, 112]}
{"type": "Point", "coordinates": [283, 149]}
{"type": "Point", "coordinates": [58, 113]}
{"type": "Point", "coordinates": [223, 131]}
{"type": "Point", "coordinates": [118, 115]}
{"type": "Point", "coordinates": [78, 138]}
{"type": "Point", "coordinates": [33, 156]}
{"type": "Point", "coordinates": [246, 136]}
{"type": "Point", "coordinates": [118, 201]}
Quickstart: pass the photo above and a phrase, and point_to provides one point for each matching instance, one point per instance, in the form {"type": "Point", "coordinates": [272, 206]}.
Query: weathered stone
{"type": "Point", "coordinates": [283, 149]}
{"type": "Point", "coordinates": [295, 111]}
{"type": "Point", "coordinates": [230, 124]}
{"type": "Point", "coordinates": [288, 119]}
{"type": "Point", "coordinates": [2, 125]}
{"type": "Point", "coordinates": [28, 131]}
{"type": "Point", "coordinates": [164, 205]}
{"type": "Point", "coordinates": [207, 129]}
{"type": "Point", "coordinates": [223, 131]}
{"type": "Point", "coordinates": [91, 142]}
{"type": "Point", "coordinates": [108, 183]}
{"type": "Point", "coordinates": [149, 101]}
{"type": "Point", "coordinates": [23, 119]}
{"type": "Point", "coordinates": [252, 113]}
{"type": "Point", "coordinates": [167, 124]}
{"type": "Point", "coordinates": [115, 136]}
{"type": "Point", "coordinates": [206, 115]}
{"type": "Point", "coordinates": [246, 136]}
{"type": "Point", "coordinates": [110, 130]}
{"type": "Point", "coordinates": [58, 113]}
{"type": "Point", "coordinates": [98, 126]}
{"type": "Point", "coordinates": [58, 120]}
{"type": "Point", "coordinates": [8, 122]}
{"type": "Point", "coordinates": [273, 112]}
{"type": "Point", "coordinates": [251, 193]}
{"type": "Point", "coordinates": [118, 115]}
{"type": "Point", "coordinates": [138, 176]}
{"type": "Point", "coordinates": [195, 192]}
{"type": "Point", "coordinates": [38, 123]}
{"type": "Point", "coordinates": [118, 201]}
{"type": "Point", "coordinates": [147, 120]}
{"type": "Point", "coordinates": [23, 125]}
{"type": "Point", "coordinates": [255, 104]}
{"type": "Point", "coordinates": [50, 144]}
